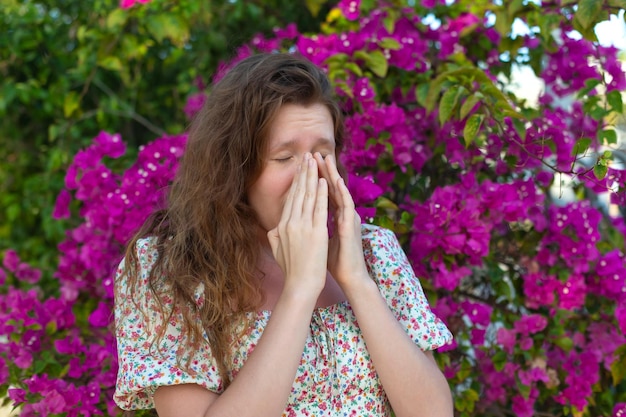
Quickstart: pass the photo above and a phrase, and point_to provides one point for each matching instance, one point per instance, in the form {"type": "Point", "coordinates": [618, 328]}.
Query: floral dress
{"type": "Point", "coordinates": [335, 377]}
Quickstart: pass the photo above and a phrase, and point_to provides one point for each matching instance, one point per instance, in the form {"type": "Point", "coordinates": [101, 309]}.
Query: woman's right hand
{"type": "Point", "coordinates": [300, 241]}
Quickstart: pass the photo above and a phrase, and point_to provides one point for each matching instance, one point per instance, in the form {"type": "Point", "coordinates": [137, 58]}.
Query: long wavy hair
{"type": "Point", "coordinates": [206, 235]}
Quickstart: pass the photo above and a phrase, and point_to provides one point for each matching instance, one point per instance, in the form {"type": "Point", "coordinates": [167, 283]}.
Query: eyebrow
{"type": "Point", "coordinates": [322, 141]}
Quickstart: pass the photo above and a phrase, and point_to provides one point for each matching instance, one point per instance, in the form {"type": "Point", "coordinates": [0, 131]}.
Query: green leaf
{"type": "Point", "coordinates": [618, 367]}
{"type": "Point", "coordinates": [117, 18]}
{"type": "Point", "coordinates": [590, 84]}
{"type": "Point", "coordinates": [581, 146]}
{"type": "Point", "coordinates": [390, 20]}
{"type": "Point", "coordinates": [587, 12]}
{"type": "Point", "coordinates": [469, 104]}
{"type": "Point", "coordinates": [514, 7]}
{"type": "Point", "coordinates": [614, 98]}
{"type": "Point", "coordinates": [472, 126]}
{"type": "Point", "coordinates": [354, 68]}
{"type": "Point", "coordinates": [314, 6]}
{"type": "Point", "coordinates": [71, 103]}
{"type": "Point", "coordinates": [421, 92]}
{"type": "Point", "coordinates": [375, 60]}
{"type": "Point", "coordinates": [448, 102]}
{"type": "Point", "coordinates": [522, 388]}
{"type": "Point", "coordinates": [389, 43]}
{"type": "Point", "coordinates": [608, 136]}
{"type": "Point", "coordinates": [617, 4]}
{"type": "Point", "coordinates": [499, 360]}
{"type": "Point", "coordinates": [168, 26]}
{"type": "Point", "coordinates": [386, 204]}
{"type": "Point", "coordinates": [433, 93]}
{"type": "Point", "coordinates": [503, 25]}
{"type": "Point", "coordinates": [600, 171]}
{"type": "Point", "coordinates": [110, 62]}
{"type": "Point", "coordinates": [564, 343]}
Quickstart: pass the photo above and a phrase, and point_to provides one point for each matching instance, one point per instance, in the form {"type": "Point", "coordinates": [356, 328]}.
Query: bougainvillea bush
{"type": "Point", "coordinates": [531, 279]}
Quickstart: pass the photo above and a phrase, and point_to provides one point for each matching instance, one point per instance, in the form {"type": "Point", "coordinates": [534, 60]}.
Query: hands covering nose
{"type": "Point", "coordinates": [300, 243]}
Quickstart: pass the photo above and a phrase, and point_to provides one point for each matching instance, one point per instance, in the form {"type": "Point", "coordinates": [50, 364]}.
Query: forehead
{"type": "Point", "coordinates": [295, 124]}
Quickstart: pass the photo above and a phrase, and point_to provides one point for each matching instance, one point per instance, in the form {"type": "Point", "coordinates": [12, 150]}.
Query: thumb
{"type": "Point", "coordinates": [274, 239]}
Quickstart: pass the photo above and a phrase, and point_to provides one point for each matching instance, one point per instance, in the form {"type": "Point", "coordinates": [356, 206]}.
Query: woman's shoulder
{"type": "Point", "coordinates": [145, 256]}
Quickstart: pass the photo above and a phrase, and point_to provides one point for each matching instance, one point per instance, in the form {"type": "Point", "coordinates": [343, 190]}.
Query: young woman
{"type": "Point", "coordinates": [258, 291]}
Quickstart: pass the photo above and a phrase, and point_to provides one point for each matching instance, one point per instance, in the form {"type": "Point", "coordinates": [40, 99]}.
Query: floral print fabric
{"type": "Point", "coordinates": [335, 377]}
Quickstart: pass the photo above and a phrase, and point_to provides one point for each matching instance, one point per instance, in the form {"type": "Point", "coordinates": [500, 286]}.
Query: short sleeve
{"type": "Point", "coordinates": [144, 366]}
{"type": "Point", "coordinates": [389, 267]}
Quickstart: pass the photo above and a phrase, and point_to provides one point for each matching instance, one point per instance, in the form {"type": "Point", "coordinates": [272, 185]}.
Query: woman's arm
{"type": "Point", "coordinates": [264, 382]}
{"type": "Point", "coordinates": [412, 381]}
{"type": "Point", "coordinates": [300, 245]}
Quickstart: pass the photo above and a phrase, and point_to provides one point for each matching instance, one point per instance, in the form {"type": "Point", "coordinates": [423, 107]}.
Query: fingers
{"type": "Point", "coordinates": [328, 169]}
{"type": "Point", "coordinates": [301, 183]}
{"type": "Point", "coordinates": [320, 216]}
{"type": "Point", "coordinates": [273, 238]}
{"type": "Point", "coordinates": [310, 195]}
{"type": "Point", "coordinates": [290, 194]}
{"type": "Point", "coordinates": [304, 198]}
{"type": "Point", "coordinates": [347, 203]}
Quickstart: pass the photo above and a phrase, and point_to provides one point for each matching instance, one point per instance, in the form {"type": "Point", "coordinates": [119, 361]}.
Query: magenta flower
{"type": "Point", "coordinates": [524, 407]}
{"type": "Point", "coordinates": [18, 395]}
{"type": "Point", "coordinates": [350, 8]}
{"type": "Point", "coordinates": [507, 339]}
{"type": "Point", "coordinates": [26, 273]}
{"type": "Point", "coordinates": [10, 260]}
{"type": "Point", "coordinates": [530, 324]}
{"type": "Point", "coordinates": [127, 4]}
{"type": "Point", "coordinates": [62, 205]}
{"type": "Point", "coordinates": [619, 410]}
{"type": "Point", "coordinates": [194, 104]}
{"type": "Point", "coordinates": [101, 316]}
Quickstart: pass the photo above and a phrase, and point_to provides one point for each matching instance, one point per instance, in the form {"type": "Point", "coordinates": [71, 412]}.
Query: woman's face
{"type": "Point", "coordinates": [296, 130]}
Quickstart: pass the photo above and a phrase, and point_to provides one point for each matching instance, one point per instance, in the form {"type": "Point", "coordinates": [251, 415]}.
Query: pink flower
{"type": "Point", "coordinates": [127, 4]}
{"type": "Point", "coordinates": [18, 395]}
{"type": "Point", "coordinates": [194, 104]}
{"type": "Point", "coordinates": [524, 407]}
{"type": "Point", "coordinates": [11, 260]}
{"type": "Point", "coordinates": [62, 205]}
{"type": "Point", "coordinates": [101, 316]}
{"type": "Point", "coordinates": [507, 339]}
{"type": "Point", "coordinates": [350, 8]}
{"type": "Point", "coordinates": [532, 323]}
{"type": "Point", "coordinates": [26, 273]}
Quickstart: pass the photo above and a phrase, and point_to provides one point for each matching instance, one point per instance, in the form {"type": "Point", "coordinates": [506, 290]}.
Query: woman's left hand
{"type": "Point", "coordinates": [346, 262]}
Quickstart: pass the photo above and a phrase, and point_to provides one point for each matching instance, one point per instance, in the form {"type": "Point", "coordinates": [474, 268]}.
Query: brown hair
{"type": "Point", "coordinates": [207, 233]}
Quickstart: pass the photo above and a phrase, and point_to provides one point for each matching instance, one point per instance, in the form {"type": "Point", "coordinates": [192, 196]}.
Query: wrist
{"type": "Point", "coordinates": [294, 295]}
{"type": "Point", "coordinates": [361, 285]}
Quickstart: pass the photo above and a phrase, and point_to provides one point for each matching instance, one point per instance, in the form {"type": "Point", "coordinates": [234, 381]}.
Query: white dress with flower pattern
{"type": "Point", "coordinates": [335, 377]}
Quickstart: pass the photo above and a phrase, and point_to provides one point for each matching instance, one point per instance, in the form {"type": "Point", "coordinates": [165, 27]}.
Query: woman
{"type": "Point", "coordinates": [241, 298]}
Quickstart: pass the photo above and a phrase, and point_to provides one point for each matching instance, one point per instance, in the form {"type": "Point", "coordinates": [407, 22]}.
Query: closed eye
{"type": "Point", "coordinates": [283, 159]}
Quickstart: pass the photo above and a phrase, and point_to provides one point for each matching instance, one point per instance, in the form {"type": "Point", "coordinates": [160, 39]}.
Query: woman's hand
{"type": "Point", "coordinates": [345, 258]}
{"type": "Point", "coordinates": [300, 241]}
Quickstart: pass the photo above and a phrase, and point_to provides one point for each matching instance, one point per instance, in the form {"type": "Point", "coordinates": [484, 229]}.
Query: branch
{"type": "Point", "coordinates": [130, 112]}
